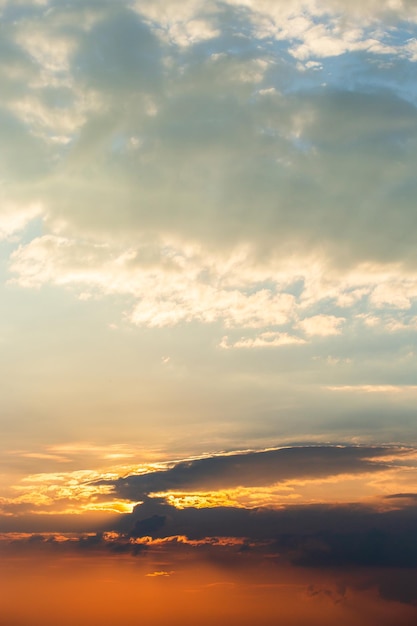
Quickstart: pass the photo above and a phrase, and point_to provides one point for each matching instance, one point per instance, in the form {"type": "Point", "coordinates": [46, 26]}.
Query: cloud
{"type": "Point", "coordinates": [322, 325]}
{"type": "Point", "coordinates": [227, 480]}
{"type": "Point", "coordinates": [200, 119]}
{"type": "Point", "coordinates": [263, 340]}
{"type": "Point", "coordinates": [371, 548]}
{"type": "Point", "coordinates": [13, 219]}
{"type": "Point", "coordinates": [309, 535]}
{"type": "Point", "coordinates": [169, 282]}
{"type": "Point", "coordinates": [379, 389]}
{"type": "Point", "coordinates": [182, 158]}
{"type": "Point", "coordinates": [253, 469]}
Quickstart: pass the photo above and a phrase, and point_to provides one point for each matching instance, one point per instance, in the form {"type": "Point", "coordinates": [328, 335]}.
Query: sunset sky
{"type": "Point", "coordinates": [208, 312]}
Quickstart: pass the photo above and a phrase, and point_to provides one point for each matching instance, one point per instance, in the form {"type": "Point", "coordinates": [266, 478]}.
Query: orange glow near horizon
{"type": "Point", "coordinates": [107, 591]}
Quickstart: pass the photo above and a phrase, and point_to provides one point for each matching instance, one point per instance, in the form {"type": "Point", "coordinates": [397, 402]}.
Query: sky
{"type": "Point", "coordinates": [208, 312]}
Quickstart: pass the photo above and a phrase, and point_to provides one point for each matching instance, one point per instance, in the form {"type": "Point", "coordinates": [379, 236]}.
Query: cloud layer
{"type": "Point", "coordinates": [180, 146]}
{"type": "Point", "coordinates": [255, 469]}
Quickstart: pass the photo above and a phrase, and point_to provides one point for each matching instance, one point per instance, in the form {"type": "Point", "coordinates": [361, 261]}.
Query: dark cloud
{"type": "Point", "coordinates": [357, 545]}
{"type": "Point", "coordinates": [371, 548]}
{"type": "Point", "coordinates": [81, 543]}
{"type": "Point", "coordinates": [297, 521]}
{"type": "Point", "coordinates": [318, 536]}
{"type": "Point", "coordinates": [398, 585]}
{"type": "Point", "coordinates": [254, 469]}
{"type": "Point", "coordinates": [348, 538]}
{"type": "Point", "coordinates": [149, 526]}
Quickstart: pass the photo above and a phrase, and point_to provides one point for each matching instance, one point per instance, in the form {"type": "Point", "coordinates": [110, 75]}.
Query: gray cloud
{"type": "Point", "coordinates": [254, 469]}
{"type": "Point", "coordinates": [119, 54]}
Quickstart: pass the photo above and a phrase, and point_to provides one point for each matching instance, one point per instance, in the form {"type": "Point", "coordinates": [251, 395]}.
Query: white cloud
{"type": "Point", "coordinates": [395, 295]}
{"type": "Point", "coordinates": [267, 339]}
{"type": "Point", "coordinates": [169, 282]}
{"type": "Point", "coordinates": [191, 32]}
{"type": "Point", "coordinates": [375, 389]}
{"type": "Point", "coordinates": [14, 218]}
{"type": "Point", "coordinates": [322, 325]}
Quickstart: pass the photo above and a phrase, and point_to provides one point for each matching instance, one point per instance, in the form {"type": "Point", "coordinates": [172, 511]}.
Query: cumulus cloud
{"type": "Point", "coordinates": [322, 325]}
{"type": "Point", "coordinates": [168, 282]}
